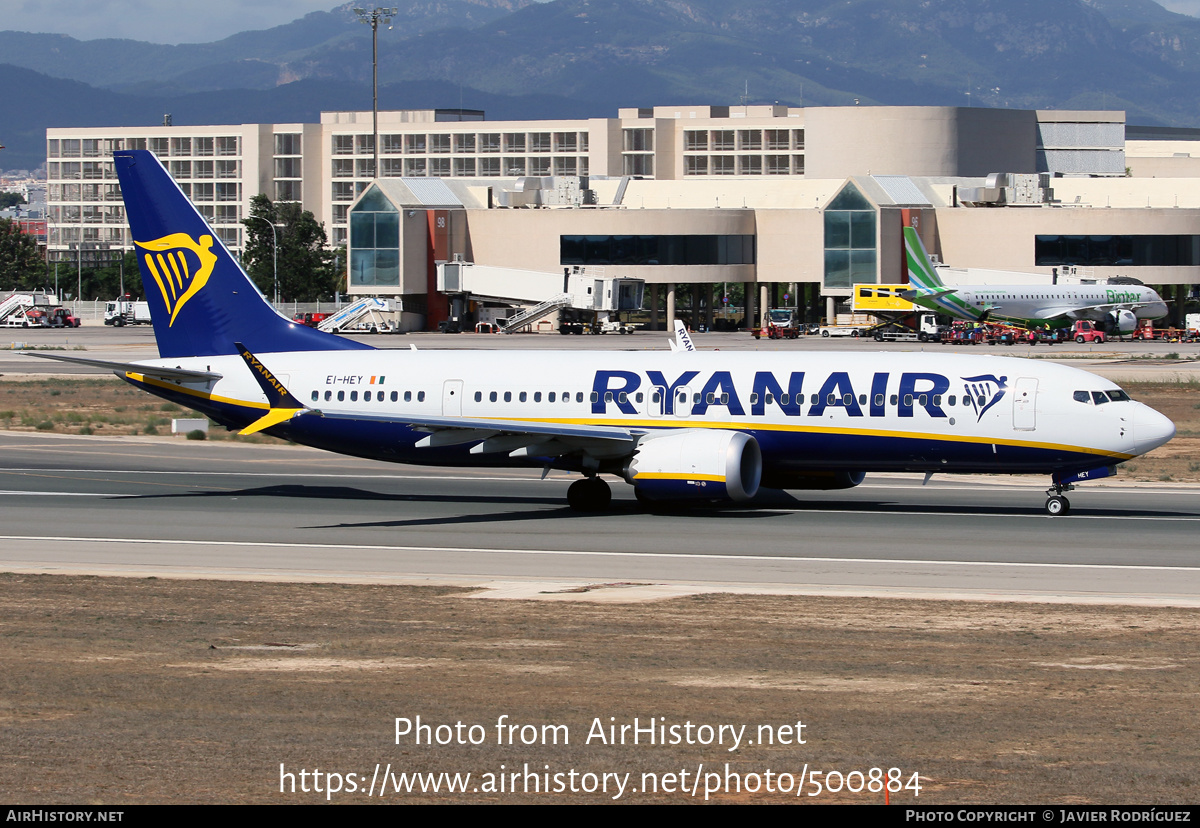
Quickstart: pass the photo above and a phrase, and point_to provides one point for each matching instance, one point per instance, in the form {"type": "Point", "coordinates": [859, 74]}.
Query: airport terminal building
{"type": "Point", "coordinates": [799, 201]}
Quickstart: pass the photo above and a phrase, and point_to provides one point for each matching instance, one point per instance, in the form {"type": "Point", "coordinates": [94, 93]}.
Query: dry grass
{"type": "Point", "coordinates": [142, 690]}
{"type": "Point", "coordinates": [101, 406]}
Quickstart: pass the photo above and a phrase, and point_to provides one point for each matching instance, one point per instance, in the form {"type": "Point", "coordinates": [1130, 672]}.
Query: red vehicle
{"type": "Point", "coordinates": [1086, 331]}
{"type": "Point", "coordinates": [1145, 331]}
{"type": "Point", "coordinates": [310, 319]}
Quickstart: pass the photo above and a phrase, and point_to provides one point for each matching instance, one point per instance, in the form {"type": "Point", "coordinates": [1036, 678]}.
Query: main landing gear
{"type": "Point", "coordinates": [1056, 504]}
{"type": "Point", "coordinates": [591, 494]}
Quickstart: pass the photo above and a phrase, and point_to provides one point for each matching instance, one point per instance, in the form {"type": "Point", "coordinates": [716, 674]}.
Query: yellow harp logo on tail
{"type": "Point", "coordinates": [179, 276]}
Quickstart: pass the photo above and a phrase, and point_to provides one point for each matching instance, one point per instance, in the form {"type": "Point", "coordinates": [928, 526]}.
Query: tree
{"type": "Point", "coordinates": [10, 200]}
{"type": "Point", "coordinates": [307, 269]}
{"type": "Point", "coordinates": [21, 265]}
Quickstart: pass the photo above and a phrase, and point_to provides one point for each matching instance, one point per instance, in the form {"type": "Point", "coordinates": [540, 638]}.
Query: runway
{"type": "Point", "coordinates": [157, 507]}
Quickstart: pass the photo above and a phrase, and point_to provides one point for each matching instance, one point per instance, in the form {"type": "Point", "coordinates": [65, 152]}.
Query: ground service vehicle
{"type": "Point", "coordinates": [1085, 330]}
{"type": "Point", "coordinates": [125, 312]}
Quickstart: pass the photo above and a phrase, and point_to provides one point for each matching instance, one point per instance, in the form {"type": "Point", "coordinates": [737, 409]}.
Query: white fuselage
{"type": "Point", "coordinates": [807, 410]}
{"type": "Point", "coordinates": [1031, 304]}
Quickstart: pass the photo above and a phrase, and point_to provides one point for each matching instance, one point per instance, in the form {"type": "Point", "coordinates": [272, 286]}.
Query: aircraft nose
{"type": "Point", "coordinates": [1150, 429]}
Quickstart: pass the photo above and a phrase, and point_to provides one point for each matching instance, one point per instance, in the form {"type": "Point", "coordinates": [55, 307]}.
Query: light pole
{"type": "Point", "coordinates": [274, 251]}
{"type": "Point", "coordinates": [373, 18]}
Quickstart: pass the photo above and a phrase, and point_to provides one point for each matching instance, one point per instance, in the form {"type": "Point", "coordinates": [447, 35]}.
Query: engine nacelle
{"type": "Point", "coordinates": [696, 464]}
{"type": "Point", "coordinates": [1123, 321]}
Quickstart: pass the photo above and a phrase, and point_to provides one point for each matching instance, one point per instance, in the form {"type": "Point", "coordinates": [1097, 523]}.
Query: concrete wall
{"type": "Point", "coordinates": [494, 235]}
{"type": "Point", "coordinates": [919, 141]}
{"type": "Point", "coordinates": [1003, 239]}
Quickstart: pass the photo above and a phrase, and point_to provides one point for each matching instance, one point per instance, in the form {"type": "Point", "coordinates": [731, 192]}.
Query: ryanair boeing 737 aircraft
{"type": "Point", "coordinates": [677, 425]}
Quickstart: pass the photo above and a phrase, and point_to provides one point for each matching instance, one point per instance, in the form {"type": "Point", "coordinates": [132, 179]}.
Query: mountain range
{"type": "Point", "coordinates": [520, 59]}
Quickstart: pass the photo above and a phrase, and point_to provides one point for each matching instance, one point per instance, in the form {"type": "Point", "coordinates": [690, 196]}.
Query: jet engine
{"type": "Point", "coordinates": [696, 464]}
{"type": "Point", "coordinates": [1123, 321]}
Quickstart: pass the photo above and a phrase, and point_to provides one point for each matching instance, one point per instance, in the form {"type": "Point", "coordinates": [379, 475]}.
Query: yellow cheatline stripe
{"type": "Point", "coordinates": [686, 423]}
{"type": "Point", "coordinates": [273, 417]}
{"type": "Point", "coordinates": [683, 422]}
{"type": "Point", "coordinates": [191, 392]}
{"type": "Point", "coordinates": [712, 478]}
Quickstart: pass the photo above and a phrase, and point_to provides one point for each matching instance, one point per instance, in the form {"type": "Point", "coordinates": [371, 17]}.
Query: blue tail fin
{"type": "Point", "coordinates": [201, 301]}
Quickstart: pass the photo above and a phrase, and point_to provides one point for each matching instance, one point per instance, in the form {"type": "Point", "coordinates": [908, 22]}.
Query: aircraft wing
{"type": "Point", "coordinates": [1054, 313]}
{"type": "Point", "coordinates": [122, 368]}
{"type": "Point", "coordinates": [528, 438]}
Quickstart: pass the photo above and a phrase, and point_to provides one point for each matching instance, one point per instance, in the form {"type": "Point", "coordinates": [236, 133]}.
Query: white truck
{"type": "Point", "coordinates": [125, 312]}
{"type": "Point", "coordinates": [847, 324]}
{"type": "Point", "coordinates": [926, 331]}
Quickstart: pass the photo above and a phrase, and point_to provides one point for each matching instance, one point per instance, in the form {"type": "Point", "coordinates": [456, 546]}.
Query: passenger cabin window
{"type": "Point", "coordinates": [492, 397]}
{"type": "Point", "coordinates": [395, 396]}
{"type": "Point", "coordinates": [315, 394]}
{"type": "Point", "coordinates": [508, 396]}
{"type": "Point", "coordinates": [478, 396]}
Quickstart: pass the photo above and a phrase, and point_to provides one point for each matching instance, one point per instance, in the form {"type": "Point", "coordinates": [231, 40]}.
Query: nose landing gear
{"type": "Point", "coordinates": [1056, 504]}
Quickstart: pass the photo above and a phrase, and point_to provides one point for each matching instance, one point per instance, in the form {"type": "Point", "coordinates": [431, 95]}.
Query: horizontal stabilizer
{"type": "Point", "coordinates": [913, 295]}
{"type": "Point", "coordinates": [122, 368]}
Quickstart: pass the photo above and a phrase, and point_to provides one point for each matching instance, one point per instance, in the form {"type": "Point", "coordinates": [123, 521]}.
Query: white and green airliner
{"type": "Point", "coordinates": [1119, 308]}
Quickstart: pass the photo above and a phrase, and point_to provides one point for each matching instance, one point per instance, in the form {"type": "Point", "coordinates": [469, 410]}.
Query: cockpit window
{"type": "Point", "coordinates": [1117, 395]}
{"type": "Point", "coordinates": [1099, 397]}
{"type": "Point", "coordinates": [1082, 396]}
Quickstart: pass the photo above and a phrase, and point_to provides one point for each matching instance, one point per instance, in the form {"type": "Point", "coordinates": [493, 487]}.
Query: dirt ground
{"type": "Point", "coordinates": [120, 691]}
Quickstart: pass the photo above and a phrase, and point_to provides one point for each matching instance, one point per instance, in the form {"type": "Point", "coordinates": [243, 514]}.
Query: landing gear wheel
{"type": "Point", "coordinates": [591, 494]}
{"type": "Point", "coordinates": [1057, 505]}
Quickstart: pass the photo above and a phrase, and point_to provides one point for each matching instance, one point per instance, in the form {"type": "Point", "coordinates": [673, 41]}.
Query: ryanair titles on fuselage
{"type": "Point", "coordinates": [910, 390]}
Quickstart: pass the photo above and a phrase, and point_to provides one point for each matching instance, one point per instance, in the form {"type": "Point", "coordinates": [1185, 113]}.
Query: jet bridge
{"type": "Point", "coordinates": [539, 293]}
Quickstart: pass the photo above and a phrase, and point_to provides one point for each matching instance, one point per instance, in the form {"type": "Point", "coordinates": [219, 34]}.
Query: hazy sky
{"type": "Point", "coordinates": [1191, 7]}
{"type": "Point", "coordinates": [156, 21]}
{"type": "Point", "coordinates": [160, 21]}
